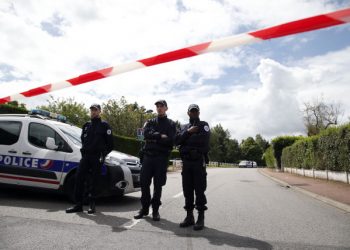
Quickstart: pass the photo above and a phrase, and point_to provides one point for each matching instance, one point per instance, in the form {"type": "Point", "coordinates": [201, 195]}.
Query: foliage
{"type": "Point", "coordinates": [127, 145]}
{"type": "Point", "coordinates": [12, 109]}
{"type": "Point", "coordinates": [222, 148]}
{"type": "Point", "coordinates": [279, 143]}
{"type": "Point", "coordinates": [269, 157]}
{"type": "Point", "coordinates": [328, 150]}
{"type": "Point", "coordinates": [263, 144]}
{"type": "Point", "coordinates": [251, 150]}
{"type": "Point", "coordinates": [319, 115]}
{"type": "Point", "coordinates": [75, 112]}
{"type": "Point", "coordinates": [124, 117]}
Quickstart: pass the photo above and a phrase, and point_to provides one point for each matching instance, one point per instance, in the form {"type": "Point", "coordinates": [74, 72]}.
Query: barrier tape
{"type": "Point", "coordinates": [294, 27]}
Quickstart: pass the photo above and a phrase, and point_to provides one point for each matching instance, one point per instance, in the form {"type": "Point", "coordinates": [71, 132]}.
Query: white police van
{"type": "Point", "coordinates": [41, 152]}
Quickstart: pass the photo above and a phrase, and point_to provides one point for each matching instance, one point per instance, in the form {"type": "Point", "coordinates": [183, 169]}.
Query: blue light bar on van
{"type": "Point", "coordinates": [48, 114]}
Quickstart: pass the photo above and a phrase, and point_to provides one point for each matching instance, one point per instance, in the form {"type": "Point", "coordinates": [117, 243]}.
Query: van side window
{"type": "Point", "coordinates": [38, 134]}
{"type": "Point", "coordinates": [9, 132]}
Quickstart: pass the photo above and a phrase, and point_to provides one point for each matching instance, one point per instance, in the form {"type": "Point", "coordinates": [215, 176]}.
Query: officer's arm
{"type": "Point", "coordinates": [109, 139]}
{"type": "Point", "coordinates": [82, 132]}
{"type": "Point", "coordinates": [149, 132]}
{"type": "Point", "coordinates": [202, 137]}
{"type": "Point", "coordinates": [83, 138]}
{"type": "Point", "coordinates": [169, 140]}
{"type": "Point", "coordinates": [182, 136]}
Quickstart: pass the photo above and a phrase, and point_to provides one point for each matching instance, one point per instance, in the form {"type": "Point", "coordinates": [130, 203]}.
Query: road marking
{"type": "Point", "coordinates": [178, 195]}
{"type": "Point", "coordinates": [136, 221]}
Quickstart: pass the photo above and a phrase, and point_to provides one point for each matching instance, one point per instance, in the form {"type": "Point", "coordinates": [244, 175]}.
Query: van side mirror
{"type": "Point", "coordinates": [50, 143]}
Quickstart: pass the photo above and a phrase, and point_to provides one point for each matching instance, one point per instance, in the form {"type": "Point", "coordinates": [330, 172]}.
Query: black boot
{"type": "Point", "coordinates": [141, 213]}
{"type": "Point", "coordinates": [92, 208]}
{"type": "Point", "coordinates": [189, 220]}
{"type": "Point", "coordinates": [155, 215]}
{"type": "Point", "coordinates": [77, 208]}
{"type": "Point", "coordinates": [200, 221]}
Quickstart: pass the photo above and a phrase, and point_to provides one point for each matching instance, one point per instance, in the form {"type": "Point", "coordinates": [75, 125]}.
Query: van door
{"type": "Point", "coordinates": [43, 165]}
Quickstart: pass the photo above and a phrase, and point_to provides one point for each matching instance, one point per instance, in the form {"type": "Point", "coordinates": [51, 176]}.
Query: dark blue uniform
{"type": "Point", "coordinates": [155, 159]}
{"type": "Point", "coordinates": [194, 154]}
{"type": "Point", "coordinates": [97, 140]}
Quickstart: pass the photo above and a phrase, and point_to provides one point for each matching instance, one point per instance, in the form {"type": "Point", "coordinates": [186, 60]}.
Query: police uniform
{"type": "Point", "coordinates": [194, 149]}
{"type": "Point", "coordinates": [97, 143]}
{"type": "Point", "coordinates": [156, 153]}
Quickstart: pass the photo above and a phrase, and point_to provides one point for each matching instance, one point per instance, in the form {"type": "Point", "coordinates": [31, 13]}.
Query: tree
{"type": "Point", "coordinates": [16, 104]}
{"type": "Point", "coordinates": [251, 150]}
{"type": "Point", "coordinates": [263, 144]}
{"type": "Point", "coordinates": [222, 148]}
{"type": "Point", "coordinates": [319, 115]}
{"type": "Point", "coordinates": [123, 117]}
{"type": "Point", "coordinates": [233, 151]}
{"type": "Point", "coordinates": [75, 112]}
{"type": "Point", "coordinates": [218, 146]}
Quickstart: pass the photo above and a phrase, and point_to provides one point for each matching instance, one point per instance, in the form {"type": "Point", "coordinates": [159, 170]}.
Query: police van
{"type": "Point", "coordinates": [41, 150]}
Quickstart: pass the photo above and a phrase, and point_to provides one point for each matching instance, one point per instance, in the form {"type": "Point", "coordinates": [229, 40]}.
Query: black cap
{"type": "Point", "coordinates": [95, 106]}
{"type": "Point", "coordinates": [163, 102]}
{"type": "Point", "coordinates": [193, 106]}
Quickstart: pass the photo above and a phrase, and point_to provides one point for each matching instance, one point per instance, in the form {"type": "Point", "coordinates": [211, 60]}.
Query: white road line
{"type": "Point", "coordinates": [135, 221]}
{"type": "Point", "coordinates": [178, 195]}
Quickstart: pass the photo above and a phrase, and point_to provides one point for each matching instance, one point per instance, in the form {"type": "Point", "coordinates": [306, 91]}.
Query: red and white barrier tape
{"type": "Point", "coordinates": [294, 27]}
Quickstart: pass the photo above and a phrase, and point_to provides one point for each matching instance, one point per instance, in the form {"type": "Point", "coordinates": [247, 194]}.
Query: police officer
{"type": "Point", "coordinates": [194, 146]}
{"type": "Point", "coordinates": [97, 142]}
{"type": "Point", "coordinates": [159, 134]}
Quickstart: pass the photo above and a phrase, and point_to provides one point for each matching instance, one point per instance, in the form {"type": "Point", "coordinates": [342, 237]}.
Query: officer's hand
{"type": "Point", "coordinates": [193, 129]}
{"type": "Point", "coordinates": [163, 136]}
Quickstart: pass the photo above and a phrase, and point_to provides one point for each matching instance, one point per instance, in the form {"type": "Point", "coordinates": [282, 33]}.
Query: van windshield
{"type": "Point", "coordinates": [72, 132]}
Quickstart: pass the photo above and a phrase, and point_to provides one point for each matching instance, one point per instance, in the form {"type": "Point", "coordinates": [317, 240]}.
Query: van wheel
{"type": "Point", "coordinates": [69, 188]}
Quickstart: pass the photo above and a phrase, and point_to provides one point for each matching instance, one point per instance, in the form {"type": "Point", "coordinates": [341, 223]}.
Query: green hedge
{"type": "Point", "coordinates": [269, 158]}
{"type": "Point", "coordinates": [10, 109]}
{"type": "Point", "coordinates": [328, 150]}
{"type": "Point", "coordinates": [127, 145]}
{"type": "Point", "coordinates": [279, 143]}
{"type": "Point", "coordinates": [132, 146]}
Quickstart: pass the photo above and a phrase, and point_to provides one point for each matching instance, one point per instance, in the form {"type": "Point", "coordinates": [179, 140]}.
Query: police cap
{"type": "Point", "coordinates": [193, 106]}
{"type": "Point", "coordinates": [162, 102]}
{"type": "Point", "coordinates": [95, 106]}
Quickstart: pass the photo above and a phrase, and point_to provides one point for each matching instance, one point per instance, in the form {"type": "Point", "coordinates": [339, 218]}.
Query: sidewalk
{"type": "Point", "coordinates": [331, 192]}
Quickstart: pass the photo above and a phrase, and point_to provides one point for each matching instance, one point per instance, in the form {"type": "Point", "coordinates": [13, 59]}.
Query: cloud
{"type": "Point", "coordinates": [274, 106]}
{"type": "Point", "coordinates": [53, 41]}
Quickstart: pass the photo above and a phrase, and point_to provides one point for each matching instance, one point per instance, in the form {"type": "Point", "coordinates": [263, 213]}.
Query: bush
{"type": "Point", "coordinates": [11, 109]}
{"type": "Point", "coordinates": [175, 154]}
{"type": "Point", "coordinates": [328, 150]}
{"type": "Point", "coordinates": [127, 145]}
{"type": "Point", "coordinates": [132, 146]}
{"type": "Point", "coordinates": [279, 143]}
{"type": "Point", "coordinates": [302, 154]}
{"type": "Point", "coordinates": [269, 157]}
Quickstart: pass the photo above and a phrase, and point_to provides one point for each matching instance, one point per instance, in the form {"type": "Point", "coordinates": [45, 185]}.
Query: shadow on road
{"type": "Point", "coordinates": [53, 202]}
{"type": "Point", "coordinates": [215, 237]}
{"type": "Point", "coordinates": [112, 221]}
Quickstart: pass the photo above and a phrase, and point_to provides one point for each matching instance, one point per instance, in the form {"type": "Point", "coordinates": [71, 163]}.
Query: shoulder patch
{"type": "Point", "coordinates": [206, 128]}
{"type": "Point", "coordinates": [109, 132]}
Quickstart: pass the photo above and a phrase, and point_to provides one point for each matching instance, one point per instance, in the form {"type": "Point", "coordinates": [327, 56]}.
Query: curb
{"type": "Point", "coordinates": [324, 199]}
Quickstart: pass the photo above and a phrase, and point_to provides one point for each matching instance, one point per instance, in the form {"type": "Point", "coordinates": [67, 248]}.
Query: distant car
{"type": "Point", "coordinates": [247, 164]}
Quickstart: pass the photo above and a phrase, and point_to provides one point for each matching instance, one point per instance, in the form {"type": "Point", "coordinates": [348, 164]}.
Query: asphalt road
{"type": "Point", "coordinates": [246, 210]}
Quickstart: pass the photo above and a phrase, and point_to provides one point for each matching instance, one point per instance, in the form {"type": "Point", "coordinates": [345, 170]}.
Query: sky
{"type": "Point", "coordinates": [253, 89]}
